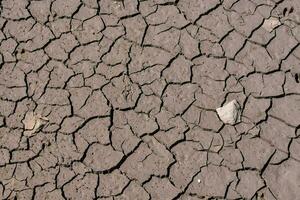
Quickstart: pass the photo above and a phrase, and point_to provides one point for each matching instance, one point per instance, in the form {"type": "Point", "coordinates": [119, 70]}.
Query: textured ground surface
{"type": "Point", "coordinates": [117, 99]}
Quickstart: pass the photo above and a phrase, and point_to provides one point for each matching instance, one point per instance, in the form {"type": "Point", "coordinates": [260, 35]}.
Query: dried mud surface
{"type": "Point", "coordinates": [116, 100]}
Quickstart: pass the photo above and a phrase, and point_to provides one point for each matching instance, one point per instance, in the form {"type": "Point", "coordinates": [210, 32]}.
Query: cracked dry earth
{"type": "Point", "coordinates": [118, 100]}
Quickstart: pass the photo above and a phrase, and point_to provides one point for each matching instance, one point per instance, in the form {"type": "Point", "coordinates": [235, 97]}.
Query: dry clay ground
{"type": "Point", "coordinates": [118, 99]}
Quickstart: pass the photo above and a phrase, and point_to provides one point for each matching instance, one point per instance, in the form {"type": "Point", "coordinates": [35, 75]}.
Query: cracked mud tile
{"type": "Point", "coordinates": [147, 56]}
{"type": "Point", "coordinates": [15, 10]}
{"type": "Point", "coordinates": [88, 52]}
{"type": "Point", "coordinates": [172, 129]}
{"type": "Point", "coordinates": [117, 9]}
{"type": "Point", "coordinates": [169, 15]}
{"type": "Point", "coordinates": [82, 187]}
{"type": "Point", "coordinates": [117, 99]}
{"type": "Point", "coordinates": [256, 109]}
{"type": "Point", "coordinates": [65, 150]}
{"type": "Point", "coordinates": [261, 85]}
{"type": "Point", "coordinates": [89, 30]}
{"type": "Point", "coordinates": [118, 53]}
{"type": "Point", "coordinates": [59, 74]}
{"type": "Point", "coordinates": [150, 158]}
{"type": "Point", "coordinates": [290, 63]}
{"type": "Point", "coordinates": [64, 175]}
{"type": "Point", "coordinates": [210, 67]}
{"type": "Point", "coordinates": [148, 76]}
{"type": "Point", "coordinates": [216, 21]}
{"type": "Point", "coordinates": [140, 123]}
{"type": "Point", "coordinates": [279, 137]}
{"type": "Point", "coordinates": [54, 97]}
{"type": "Point", "coordinates": [71, 124]}
{"type": "Point", "coordinates": [40, 10]}
{"type": "Point", "coordinates": [209, 120]}
{"type": "Point", "coordinates": [189, 159]}
{"type": "Point", "coordinates": [177, 98]}
{"type": "Point", "coordinates": [94, 105]}
{"type": "Point", "coordinates": [94, 130]}
{"type": "Point", "coordinates": [122, 93]}
{"type": "Point", "coordinates": [48, 191]}
{"type": "Point", "coordinates": [133, 191]}
{"type": "Point", "coordinates": [192, 115]}
{"type": "Point", "coordinates": [59, 25]}
{"type": "Point", "coordinates": [262, 36]}
{"type": "Point", "coordinates": [258, 57]}
{"type": "Point", "coordinates": [232, 158]}
{"type": "Point", "coordinates": [96, 161]}
{"type": "Point", "coordinates": [255, 151]}
{"type": "Point", "coordinates": [211, 49]}
{"type": "Point", "coordinates": [135, 28]}
{"type": "Point", "coordinates": [232, 44]}
{"type": "Point", "coordinates": [286, 109]}
{"type": "Point", "coordinates": [211, 93]}
{"type": "Point", "coordinates": [193, 10]}
{"type": "Point", "coordinates": [32, 61]}
{"type": "Point", "coordinates": [10, 138]}
{"type": "Point", "coordinates": [123, 139]}
{"type": "Point", "coordinates": [60, 48]}
{"type": "Point", "coordinates": [40, 176]}
{"type": "Point", "coordinates": [238, 69]}
{"type": "Point", "coordinates": [163, 37]}
{"type": "Point", "coordinates": [250, 182]}
{"type": "Point", "coordinates": [188, 44]}
{"type": "Point", "coordinates": [208, 140]}
{"type": "Point", "coordinates": [14, 120]}
{"type": "Point", "coordinates": [245, 19]}
{"type": "Point", "coordinates": [279, 50]}
{"type": "Point", "coordinates": [148, 104]}
{"type": "Point", "coordinates": [161, 188]}
{"type": "Point", "coordinates": [179, 71]}
{"type": "Point", "coordinates": [5, 157]}
{"type": "Point", "coordinates": [62, 8]}
{"type": "Point", "coordinates": [112, 184]}
{"type": "Point", "coordinates": [12, 94]}
{"type": "Point", "coordinates": [283, 179]}
{"type": "Point", "coordinates": [7, 49]}
{"type": "Point", "coordinates": [214, 181]}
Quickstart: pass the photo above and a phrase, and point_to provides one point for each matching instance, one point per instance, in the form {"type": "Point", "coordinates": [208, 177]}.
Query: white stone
{"type": "Point", "coordinates": [230, 113]}
{"type": "Point", "coordinates": [271, 23]}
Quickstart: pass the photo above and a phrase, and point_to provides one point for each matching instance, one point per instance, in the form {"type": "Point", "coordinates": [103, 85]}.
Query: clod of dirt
{"type": "Point", "coordinates": [230, 113]}
{"type": "Point", "coordinates": [33, 123]}
{"type": "Point", "coordinates": [271, 23]}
